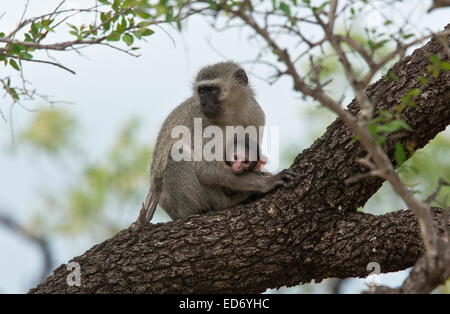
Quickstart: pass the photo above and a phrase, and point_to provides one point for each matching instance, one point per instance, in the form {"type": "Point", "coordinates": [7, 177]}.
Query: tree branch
{"type": "Point", "coordinates": [39, 241]}
{"type": "Point", "coordinates": [243, 251]}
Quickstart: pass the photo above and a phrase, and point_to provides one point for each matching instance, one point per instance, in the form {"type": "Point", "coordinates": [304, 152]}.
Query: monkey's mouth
{"type": "Point", "coordinates": [211, 111]}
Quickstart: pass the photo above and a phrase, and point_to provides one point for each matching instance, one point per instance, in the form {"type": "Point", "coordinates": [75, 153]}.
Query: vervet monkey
{"type": "Point", "coordinates": [221, 97]}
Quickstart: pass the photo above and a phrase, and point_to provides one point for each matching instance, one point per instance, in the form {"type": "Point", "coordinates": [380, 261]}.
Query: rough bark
{"type": "Point", "coordinates": [424, 278]}
{"type": "Point", "coordinates": [290, 236]}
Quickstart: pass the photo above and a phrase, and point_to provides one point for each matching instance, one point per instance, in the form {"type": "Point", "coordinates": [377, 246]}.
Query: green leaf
{"type": "Point", "coordinates": [147, 32]}
{"type": "Point", "coordinates": [445, 66]}
{"type": "Point", "coordinates": [129, 3]}
{"type": "Point", "coordinates": [51, 130]}
{"type": "Point", "coordinates": [116, 5]}
{"type": "Point", "coordinates": [26, 56]}
{"type": "Point", "coordinates": [114, 36]}
{"type": "Point", "coordinates": [213, 5]}
{"type": "Point", "coordinates": [433, 58]}
{"type": "Point", "coordinates": [406, 36]}
{"type": "Point", "coordinates": [103, 17]}
{"type": "Point", "coordinates": [104, 2]}
{"type": "Point", "coordinates": [13, 93]}
{"type": "Point", "coordinates": [387, 114]}
{"type": "Point", "coordinates": [373, 129]}
{"type": "Point", "coordinates": [409, 97]}
{"type": "Point", "coordinates": [380, 140]}
{"type": "Point", "coordinates": [14, 64]}
{"type": "Point", "coordinates": [46, 23]}
{"type": "Point", "coordinates": [393, 76]}
{"type": "Point", "coordinates": [400, 154]}
{"type": "Point", "coordinates": [28, 37]}
{"type": "Point", "coordinates": [380, 44]}
{"type": "Point", "coordinates": [143, 14]}
{"type": "Point", "coordinates": [323, 5]}
{"type": "Point", "coordinates": [285, 8]}
{"type": "Point", "coordinates": [121, 27]}
{"type": "Point", "coordinates": [16, 48]}
{"type": "Point", "coordinates": [394, 126]}
{"type": "Point", "coordinates": [423, 80]}
{"type": "Point", "coordinates": [414, 92]}
{"type": "Point", "coordinates": [34, 29]}
{"type": "Point", "coordinates": [128, 39]}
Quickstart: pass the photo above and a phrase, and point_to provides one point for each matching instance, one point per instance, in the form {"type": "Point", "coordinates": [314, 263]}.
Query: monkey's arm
{"type": "Point", "coordinates": [218, 173]}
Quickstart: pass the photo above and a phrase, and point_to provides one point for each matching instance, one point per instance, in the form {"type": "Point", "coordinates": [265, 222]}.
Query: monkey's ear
{"type": "Point", "coordinates": [241, 77]}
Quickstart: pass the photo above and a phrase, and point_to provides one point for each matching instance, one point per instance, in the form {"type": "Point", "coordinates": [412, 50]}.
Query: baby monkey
{"type": "Point", "coordinates": [245, 157]}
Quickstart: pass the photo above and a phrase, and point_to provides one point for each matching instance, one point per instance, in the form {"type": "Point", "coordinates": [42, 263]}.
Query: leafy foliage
{"type": "Point", "coordinates": [98, 194]}
{"type": "Point", "coordinates": [112, 22]}
{"type": "Point", "coordinates": [50, 131]}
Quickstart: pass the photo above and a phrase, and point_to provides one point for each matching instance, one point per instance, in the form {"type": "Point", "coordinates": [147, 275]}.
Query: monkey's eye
{"type": "Point", "coordinates": [213, 90]}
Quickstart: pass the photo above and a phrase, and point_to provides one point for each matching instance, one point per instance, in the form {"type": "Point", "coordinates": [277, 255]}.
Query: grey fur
{"type": "Point", "coordinates": [183, 188]}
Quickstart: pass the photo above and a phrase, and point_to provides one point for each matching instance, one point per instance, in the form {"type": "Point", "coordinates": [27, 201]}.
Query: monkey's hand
{"type": "Point", "coordinates": [216, 173]}
{"type": "Point", "coordinates": [284, 178]}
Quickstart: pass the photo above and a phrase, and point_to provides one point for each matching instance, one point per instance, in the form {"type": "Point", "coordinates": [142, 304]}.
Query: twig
{"type": "Point", "coordinates": [40, 242]}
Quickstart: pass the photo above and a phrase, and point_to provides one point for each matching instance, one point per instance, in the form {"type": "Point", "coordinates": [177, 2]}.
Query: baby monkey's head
{"type": "Point", "coordinates": [242, 160]}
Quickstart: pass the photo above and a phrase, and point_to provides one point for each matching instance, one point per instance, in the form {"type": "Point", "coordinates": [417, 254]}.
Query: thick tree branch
{"type": "Point", "coordinates": [244, 251]}
{"type": "Point", "coordinates": [291, 236]}
{"type": "Point", "coordinates": [422, 279]}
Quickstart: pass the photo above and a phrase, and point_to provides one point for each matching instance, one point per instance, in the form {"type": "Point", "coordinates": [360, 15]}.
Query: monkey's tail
{"type": "Point", "coordinates": [148, 208]}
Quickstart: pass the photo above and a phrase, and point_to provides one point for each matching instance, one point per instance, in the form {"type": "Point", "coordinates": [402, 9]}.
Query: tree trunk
{"type": "Point", "coordinates": [290, 236]}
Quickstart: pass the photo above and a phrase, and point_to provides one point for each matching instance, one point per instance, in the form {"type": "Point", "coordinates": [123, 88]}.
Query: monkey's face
{"type": "Point", "coordinates": [209, 100]}
{"type": "Point", "coordinates": [241, 165]}
{"type": "Point", "coordinates": [221, 90]}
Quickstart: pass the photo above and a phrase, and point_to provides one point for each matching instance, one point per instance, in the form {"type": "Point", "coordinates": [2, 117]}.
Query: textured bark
{"type": "Point", "coordinates": [290, 236]}
{"type": "Point", "coordinates": [424, 278]}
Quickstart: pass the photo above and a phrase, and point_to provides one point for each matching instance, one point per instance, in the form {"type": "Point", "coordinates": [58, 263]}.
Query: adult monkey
{"type": "Point", "coordinates": [221, 97]}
